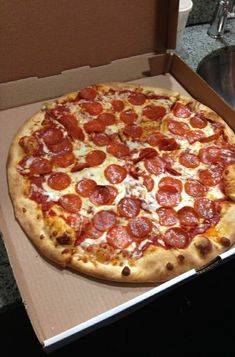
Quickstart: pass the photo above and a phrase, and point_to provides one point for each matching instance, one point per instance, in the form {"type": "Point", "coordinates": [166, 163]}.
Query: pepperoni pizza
{"type": "Point", "coordinates": [125, 182]}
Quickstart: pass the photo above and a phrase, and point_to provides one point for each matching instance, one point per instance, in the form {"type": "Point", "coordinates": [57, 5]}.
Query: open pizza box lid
{"type": "Point", "coordinates": [53, 48]}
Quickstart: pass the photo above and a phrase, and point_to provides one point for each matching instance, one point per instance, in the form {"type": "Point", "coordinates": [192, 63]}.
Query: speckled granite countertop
{"type": "Point", "coordinates": [196, 44]}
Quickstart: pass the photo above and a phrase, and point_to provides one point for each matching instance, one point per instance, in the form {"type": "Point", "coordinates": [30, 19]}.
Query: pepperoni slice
{"type": "Point", "coordinates": [85, 186]}
{"type": "Point", "coordinates": [58, 111]}
{"type": "Point", "coordinates": [168, 144]}
{"type": "Point", "coordinates": [189, 160]}
{"type": "Point", "coordinates": [79, 166]}
{"type": "Point", "coordinates": [89, 232]}
{"type": "Point", "coordinates": [63, 146]}
{"type": "Point", "coordinates": [181, 111]}
{"type": "Point", "coordinates": [134, 131]}
{"type": "Point", "coordinates": [146, 153]}
{"type": "Point", "coordinates": [178, 127]}
{"type": "Point", "coordinates": [52, 136]}
{"type": "Point", "coordinates": [117, 105]}
{"type": "Point", "coordinates": [95, 157]}
{"type": "Point", "coordinates": [93, 108]}
{"type": "Point", "coordinates": [194, 135]}
{"type": "Point", "coordinates": [155, 165]}
{"type": "Point", "coordinates": [128, 116]}
{"type": "Point", "coordinates": [70, 122]}
{"type": "Point", "coordinates": [194, 188]}
{"type": "Point", "coordinates": [88, 93]}
{"type": "Point", "coordinates": [227, 156]}
{"type": "Point", "coordinates": [198, 121]}
{"type": "Point", "coordinates": [213, 137]}
{"type": "Point", "coordinates": [176, 238]}
{"type": "Point", "coordinates": [63, 160]}
{"type": "Point", "coordinates": [168, 196]}
{"type": "Point", "coordinates": [70, 202]}
{"type": "Point", "coordinates": [104, 220]}
{"type": "Point", "coordinates": [172, 182]}
{"type": "Point", "coordinates": [172, 171]}
{"type": "Point", "coordinates": [205, 208]}
{"type": "Point", "coordinates": [129, 207]}
{"type": "Point", "coordinates": [37, 180]}
{"type": "Point", "coordinates": [188, 216]}
{"type": "Point", "coordinates": [148, 183]}
{"type": "Point", "coordinates": [113, 193]}
{"type": "Point", "coordinates": [211, 176]}
{"type": "Point", "coordinates": [209, 155]}
{"type": "Point", "coordinates": [94, 126]}
{"type": "Point", "coordinates": [155, 139]}
{"type": "Point", "coordinates": [154, 112]}
{"type": "Point", "coordinates": [140, 227]}
{"type": "Point", "coordinates": [118, 150]}
{"type": "Point", "coordinates": [106, 118]}
{"type": "Point", "coordinates": [118, 237]}
{"type": "Point", "coordinates": [76, 133]}
{"type": "Point", "coordinates": [137, 98]}
{"type": "Point", "coordinates": [102, 195]}
{"type": "Point", "coordinates": [40, 166]}
{"type": "Point", "coordinates": [59, 181]}
{"type": "Point", "coordinates": [167, 216]}
{"type": "Point", "coordinates": [100, 139]}
{"type": "Point", "coordinates": [115, 173]}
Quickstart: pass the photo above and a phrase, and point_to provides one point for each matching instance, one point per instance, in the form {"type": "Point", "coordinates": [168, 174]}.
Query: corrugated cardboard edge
{"type": "Point", "coordinates": [195, 85]}
{"type": "Point", "coordinates": [186, 78]}
{"type": "Point", "coordinates": [30, 90]}
{"type": "Point", "coordinates": [16, 268]}
{"type": "Point", "coordinates": [71, 334]}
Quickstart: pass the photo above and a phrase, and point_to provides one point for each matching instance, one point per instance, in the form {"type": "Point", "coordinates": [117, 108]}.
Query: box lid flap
{"type": "Point", "coordinates": [44, 38]}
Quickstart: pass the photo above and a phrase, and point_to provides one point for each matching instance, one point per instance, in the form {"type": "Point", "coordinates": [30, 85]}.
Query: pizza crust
{"type": "Point", "coordinates": [229, 182]}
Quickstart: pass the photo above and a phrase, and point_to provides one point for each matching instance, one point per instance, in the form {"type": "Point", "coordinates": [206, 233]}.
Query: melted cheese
{"type": "Point", "coordinates": [129, 186]}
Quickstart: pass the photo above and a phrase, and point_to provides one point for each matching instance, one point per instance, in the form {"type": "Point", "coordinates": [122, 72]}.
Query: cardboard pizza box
{"type": "Point", "coordinates": [84, 44]}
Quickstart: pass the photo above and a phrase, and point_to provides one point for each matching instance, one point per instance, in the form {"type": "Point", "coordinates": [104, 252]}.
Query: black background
{"type": "Point", "coordinates": [194, 319]}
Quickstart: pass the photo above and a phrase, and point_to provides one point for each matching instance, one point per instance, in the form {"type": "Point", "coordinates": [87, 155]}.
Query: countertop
{"type": "Point", "coordinates": [196, 44]}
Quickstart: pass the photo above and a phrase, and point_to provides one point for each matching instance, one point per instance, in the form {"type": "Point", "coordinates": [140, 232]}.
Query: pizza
{"type": "Point", "coordinates": [125, 182]}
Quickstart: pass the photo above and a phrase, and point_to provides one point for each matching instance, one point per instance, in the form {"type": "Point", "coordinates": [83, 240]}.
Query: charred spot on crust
{"type": "Point", "coordinates": [66, 251]}
{"type": "Point", "coordinates": [126, 271]}
{"type": "Point", "coordinates": [41, 236]}
{"type": "Point", "coordinates": [225, 242]}
{"type": "Point", "coordinates": [64, 239]}
{"type": "Point", "coordinates": [181, 259]}
{"type": "Point", "coordinates": [169, 266]}
{"type": "Point", "coordinates": [204, 246]}
{"type": "Point", "coordinates": [24, 210]}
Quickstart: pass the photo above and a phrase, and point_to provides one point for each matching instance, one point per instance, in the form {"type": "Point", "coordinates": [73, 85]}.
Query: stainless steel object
{"type": "Point", "coordinates": [224, 9]}
{"type": "Point", "coordinates": [218, 69]}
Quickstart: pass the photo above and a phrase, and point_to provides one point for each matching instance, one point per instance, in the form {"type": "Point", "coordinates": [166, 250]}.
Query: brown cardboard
{"type": "Point", "coordinates": [51, 45]}
{"type": "Point", "coordinates": [58, 300]}
{"type": "Point", "coordinates": [44, 38]}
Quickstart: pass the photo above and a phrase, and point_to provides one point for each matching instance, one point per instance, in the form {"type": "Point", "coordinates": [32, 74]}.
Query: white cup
{"type": "Point", "coordinates": [185, 6]}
